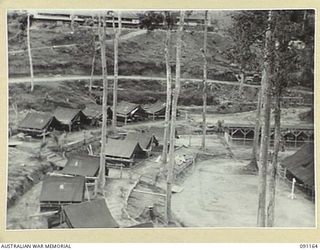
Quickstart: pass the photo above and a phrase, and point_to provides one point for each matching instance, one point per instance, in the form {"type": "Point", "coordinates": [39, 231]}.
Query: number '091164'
{"type": "Point", "coordinates": [308, 245]}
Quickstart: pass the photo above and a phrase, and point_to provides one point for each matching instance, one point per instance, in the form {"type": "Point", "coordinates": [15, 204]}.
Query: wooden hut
{"type": "Point", "coordinates": [155, 110]}
{"type": "Point", "coordinates": [147, 141]}
{"type": "Point", "coordinates": [128, 112]}
{"type": "Point", "coordinates": [86, 165]}
{"type": "Point", "coordinates": [58, 191]}
{"type": "Point", "coordinates": [126, 152]}
{"type": "Point", "coordinates": [92, 214]}
{"type": "Point", "coordinates": [37, 124]}
{"type": "Point", "coordinates": [93, 112]}
{"type": "Point", "coordinates": [69, 119]}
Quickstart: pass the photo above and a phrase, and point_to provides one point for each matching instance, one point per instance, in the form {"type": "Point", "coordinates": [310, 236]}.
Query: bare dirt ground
{"type": "Point", "coordinates": [217, 194]}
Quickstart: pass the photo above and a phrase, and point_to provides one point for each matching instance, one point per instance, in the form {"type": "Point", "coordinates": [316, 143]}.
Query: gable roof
{"type": "Point", "coordinates": [87, 166]}
{"type": "Point", "coordinates": [144, 139]}
{"type": "Point", "coordinates": [92, 214]}
{"type": "Point", "coordinates": [36, 120]}
{"type": "Point", "coordinates": [122, 148]}
{"type": "Point", "coordinates": [93, 110]}
{"type": "Point", "coordinates": [66, 115]}
{"type": "Point", "coordinates": [155, 107]}
{"type": "Point", "coordinates": [125, 108]}
{"type": "Point", "coordinates": [301, 164]}
{"type": "Point", "coordinates": [62, 189]}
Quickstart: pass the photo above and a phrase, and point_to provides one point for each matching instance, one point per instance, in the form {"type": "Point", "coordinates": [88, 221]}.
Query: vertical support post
{"type": "Point", "coordinates": [121, 166]}
{"type": "Point", "coordinates": [292, 195]}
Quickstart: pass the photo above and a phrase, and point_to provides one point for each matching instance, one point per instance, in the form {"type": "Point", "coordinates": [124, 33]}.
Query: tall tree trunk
{"type": "Point", "coordinates": [29, 53]}
{"type": "Point", "coordinates": [72, 22]}
{"type": "Point", "coordinates": [272, 169]}
{"type": "Point", "coordinates": [168, 101]}
{"type": "Point", "coordinates": [265, 128]}
{"type": "Point", "coordinates": [253, 164]}
{"type": "Point", "coordinates": [204, 90]}
{"type": "Point", "coordinates": [176, 92]}
{"type": "Point", "coordinates": [241, 82]}
{"type": "Point", "coordinates": [93, 61]}
{"type": "Point", "coordinates": [115, 80]}
{"type": "Point", "coordinates": [102, 36]}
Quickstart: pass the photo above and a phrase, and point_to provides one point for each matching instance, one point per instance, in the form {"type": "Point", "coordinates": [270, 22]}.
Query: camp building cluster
{"type": "Point", "coordinates": [70, 191]}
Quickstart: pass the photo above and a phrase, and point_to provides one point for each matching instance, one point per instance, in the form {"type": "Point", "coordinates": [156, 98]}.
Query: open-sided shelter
{"type": "Point", "coordinates": [70, 119]}
{"type": "Point", "coordinates": [58, 191]}
{"type": "Point", "coordinates": [37, 123]}
{"type": "Point", "coordinates": [91, 214]}
{"type": "Point", "coordinates": [123, 151]}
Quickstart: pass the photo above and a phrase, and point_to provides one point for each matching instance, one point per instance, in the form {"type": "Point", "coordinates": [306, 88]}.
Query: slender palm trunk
{"type": "Point", "coordinates": [116, 71]}
{"type": "Point", "coordinates": [204, 90]}
{"type": "Point", "coordinates": [29, 53]}
{"type": "Point", "coordinates": [168, 101]}
{"type": "Point", "coordinates": [265, 128]}
{"type": "Point", "coordinates": [176, 92]}
{"type": "Point", "coordinates": [272, 170]}
{"type": "Point", "coordinates": [102, 36]}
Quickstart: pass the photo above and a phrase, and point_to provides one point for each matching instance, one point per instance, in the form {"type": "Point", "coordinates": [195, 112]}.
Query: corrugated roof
{"type": "Point", "coordinates": [301, 164]}
{"type": "Point", "coordinates": [93, 110]}
{"type": "Point", "coordinates": [122, 148]}
{"type": "Point", "coordinates": [82, 165]}
{"type": "Point", "coordinates": [144, 139]}
{"type": "Point", "coordinates": [154, 108]}
{"type": "Point", "coordinates": [66, 115]}
{"type": "Point", "coordinates": [93, 214]}
{"type": "Point", "coordinates": [36, 120]}
{"type": "Point", "coordinates": [62, 189]}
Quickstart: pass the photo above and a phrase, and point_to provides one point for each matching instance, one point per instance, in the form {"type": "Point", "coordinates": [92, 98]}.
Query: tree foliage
{"type": "Point", "coordinates": [293, 37]}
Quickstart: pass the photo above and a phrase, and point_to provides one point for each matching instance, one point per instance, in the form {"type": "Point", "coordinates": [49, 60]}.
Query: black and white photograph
{"type": "Point", "coordinates": [160, 118]}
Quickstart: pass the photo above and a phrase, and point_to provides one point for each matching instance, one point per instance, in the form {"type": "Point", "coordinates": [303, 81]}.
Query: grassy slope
{"type": "Point", "coordinates": [141, 55]}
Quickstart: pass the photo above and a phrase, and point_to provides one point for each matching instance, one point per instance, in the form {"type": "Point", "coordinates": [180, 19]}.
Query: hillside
{"type": "Point", "coordinates": [140, 55]}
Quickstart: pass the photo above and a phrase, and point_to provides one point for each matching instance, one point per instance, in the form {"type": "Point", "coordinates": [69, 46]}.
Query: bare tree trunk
{"type": "Point", "coordinates": [272, 170]}
{"type": "Point", "coordinates": [29, 53]}
{"type": "Point", "coordinates": [115, 80]}
{"type": "Point", "coordinates": [93, 61]}
{"type": "Point", "coordinates": [72, 22]}
{"type": "Point", "coordinates": [265, 131]}
{"type": "Point", "coordinates": [176, 92]}
{"type": "Point", "coordinates": [204, 90]}
{"type": "Point", "coordinates": [241, 83]}
{"type": "Point", "coordinates": [102, 36]}
{"type": "Point", "coordinates": [255, 145]}
{"type": "Point", "coordinates": [168, 101]}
